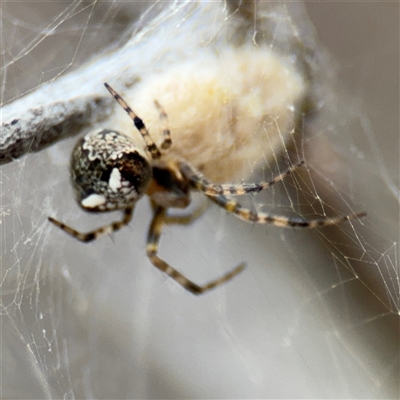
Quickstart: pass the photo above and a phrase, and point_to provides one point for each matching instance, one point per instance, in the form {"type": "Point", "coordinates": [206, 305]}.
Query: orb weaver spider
{"type": "Point", "coordinates": [109, 172]}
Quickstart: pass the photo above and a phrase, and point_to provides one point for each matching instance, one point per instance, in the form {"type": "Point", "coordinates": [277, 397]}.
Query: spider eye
{"type": "Point", "coordinates": [108, 171]}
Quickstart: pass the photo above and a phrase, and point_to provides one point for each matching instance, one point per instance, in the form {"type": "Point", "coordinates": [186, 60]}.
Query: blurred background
{"type": "Point", "coordinates": [315, 314]}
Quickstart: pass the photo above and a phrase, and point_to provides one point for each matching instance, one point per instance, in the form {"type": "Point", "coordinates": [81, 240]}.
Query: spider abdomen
{"type": "Point", "coordinates": [108, 171]}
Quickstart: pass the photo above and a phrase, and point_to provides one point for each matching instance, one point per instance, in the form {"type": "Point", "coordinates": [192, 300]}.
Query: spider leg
{"type": "Point", "coordinates": [139, 124]}
{"type": "Point", "coordinates": [278, 220]}
{"type": "Point", "coordinates": [96, 233]}
{"type": "Point", "coordinates": [216, 194]}
{"type": "Point", "coordinates": [167, 142]}
{"type": "Point", "coordinates": [186, 219]}
{"type": "Point", "coordinates": [211, 189]}
{"type": "Point", "coordinates": [153, 239]}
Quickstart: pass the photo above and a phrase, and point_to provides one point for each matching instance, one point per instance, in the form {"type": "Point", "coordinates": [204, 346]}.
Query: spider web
{"type": "Point", "coordinates": [315, 314]}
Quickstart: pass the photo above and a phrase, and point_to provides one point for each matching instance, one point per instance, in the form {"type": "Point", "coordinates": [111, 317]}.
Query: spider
{"type": "Point", "coordinates": [109, 172]}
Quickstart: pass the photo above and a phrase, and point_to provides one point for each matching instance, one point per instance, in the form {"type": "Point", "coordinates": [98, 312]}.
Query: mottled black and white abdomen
{"type": "Point", "coordinates": [108, 171]}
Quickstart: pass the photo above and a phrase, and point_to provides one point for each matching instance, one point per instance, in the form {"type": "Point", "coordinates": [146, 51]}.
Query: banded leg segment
{"type": "Point", "coordinates": [212, 189]}
{"type": "Point", "coordinates": [167, 141]}
{"type": "Point", "coordinates": [152, 250]}
{"type": "Point", "coordinates": [139, 124]}
{"type": "Point", "coordinates": [186, 219]}
{"type": "Point", "coordinates": [266, 218]}
{"type": "Point", "coordinates": [96, 233]}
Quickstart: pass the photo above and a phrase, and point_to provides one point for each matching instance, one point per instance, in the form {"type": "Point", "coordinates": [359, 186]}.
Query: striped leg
{"type": "Point", "coordinates": [153, 239]}
{"type": "Point", "coordinates": [139, 124]}
{"type": "Point", "coordinates": [186, 219]}
{"type": "Point", "coordinates": [95, 234]}
{"type": "Point", "coordinates": [265, 218]}
{"type": "Point", "coordinates": [211, 189]}
{"type": "Point", "coordinates": [167, 142]}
